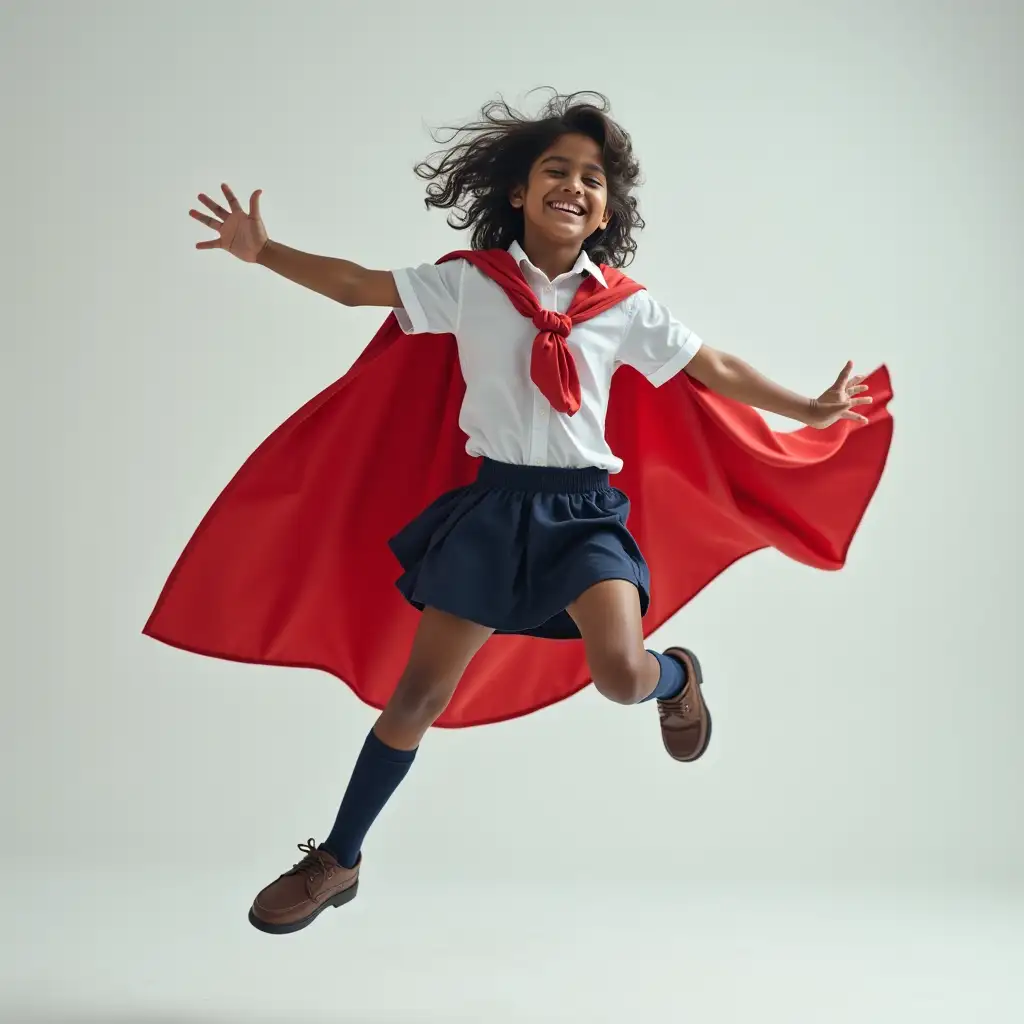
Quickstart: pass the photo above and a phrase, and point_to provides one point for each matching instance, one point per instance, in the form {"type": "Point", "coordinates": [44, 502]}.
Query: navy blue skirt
{"type": "Point", "coordinates": [517, 546]}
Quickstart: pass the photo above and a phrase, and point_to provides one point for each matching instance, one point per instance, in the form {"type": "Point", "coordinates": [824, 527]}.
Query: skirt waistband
{"type": "Point", "coordinates": [548, 479]}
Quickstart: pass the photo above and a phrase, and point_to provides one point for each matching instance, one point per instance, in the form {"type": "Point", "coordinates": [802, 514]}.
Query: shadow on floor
{"type": "Point", "coordinates": [25, 1013]}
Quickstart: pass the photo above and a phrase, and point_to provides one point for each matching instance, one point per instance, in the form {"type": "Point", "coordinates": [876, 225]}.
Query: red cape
{"type": "Point", "coordinates": [291, 565]}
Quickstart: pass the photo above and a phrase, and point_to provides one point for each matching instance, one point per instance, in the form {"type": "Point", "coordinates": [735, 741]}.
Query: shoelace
{"type": "Point", "coordinates": [314, 862]}
{"type": "Point", "coordinates": [676, 706]}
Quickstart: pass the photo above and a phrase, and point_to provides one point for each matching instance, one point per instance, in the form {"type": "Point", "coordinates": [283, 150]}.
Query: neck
{"type": "Point", "coordinates": [552, 259]}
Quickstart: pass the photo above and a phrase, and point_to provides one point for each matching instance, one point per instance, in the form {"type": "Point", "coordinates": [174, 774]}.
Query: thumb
{"type": "Point", "coordinates": [254, 204]}
{"type": "Point", "coordinates": [843, 379]}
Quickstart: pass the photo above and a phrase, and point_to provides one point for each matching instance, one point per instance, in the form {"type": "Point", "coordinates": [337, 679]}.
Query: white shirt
{"type": "Point", "coordinates": [504, 414]}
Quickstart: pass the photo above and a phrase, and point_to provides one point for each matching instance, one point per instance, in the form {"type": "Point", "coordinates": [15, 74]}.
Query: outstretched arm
{"type": "Point", "coordinates": [243, 235]}
{"type": "Point", "coordinates": [733, 378]}
{"type": "Point", "coordinates": [340, 280]}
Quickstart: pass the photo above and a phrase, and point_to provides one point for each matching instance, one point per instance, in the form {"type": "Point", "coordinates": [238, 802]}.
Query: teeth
{"type": "Point", "coordinates": [568, 208]}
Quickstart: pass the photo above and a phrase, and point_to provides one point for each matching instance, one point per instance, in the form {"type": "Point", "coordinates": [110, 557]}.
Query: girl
{"type": "Point", "coordinates": [537, 544]}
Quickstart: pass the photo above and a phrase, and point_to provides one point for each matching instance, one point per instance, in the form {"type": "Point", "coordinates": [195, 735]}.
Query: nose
{"type": "Point", "coordinates": [573, 185]}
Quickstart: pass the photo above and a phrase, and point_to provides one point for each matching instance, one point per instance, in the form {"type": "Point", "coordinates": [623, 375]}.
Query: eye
{"type": "Point", "coordinates": [592, 182]}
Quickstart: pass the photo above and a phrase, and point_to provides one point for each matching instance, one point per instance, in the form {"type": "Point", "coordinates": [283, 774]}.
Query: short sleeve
{"type": "Point", "coordinates": [431, 297]}
{"type": "Point", "coordinates": [656, 343]}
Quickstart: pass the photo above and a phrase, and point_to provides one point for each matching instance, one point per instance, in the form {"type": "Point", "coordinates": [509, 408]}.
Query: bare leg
{"type": "Point", "coordinates": [608, 617]}
{"type": "Point", "coordinates": [329, 876]}
{"type": "Point", "coordinates": [441, 650]}
{"type": "Point", "coordinates": [443, 647]}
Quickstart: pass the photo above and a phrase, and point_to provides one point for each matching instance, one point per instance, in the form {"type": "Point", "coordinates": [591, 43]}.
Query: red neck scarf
{"type": "Point", "coordinates": [552, 366]}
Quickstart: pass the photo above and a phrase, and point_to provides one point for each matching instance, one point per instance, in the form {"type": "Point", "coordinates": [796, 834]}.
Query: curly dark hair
{"type": "Point", "coordinates": [482, 162]}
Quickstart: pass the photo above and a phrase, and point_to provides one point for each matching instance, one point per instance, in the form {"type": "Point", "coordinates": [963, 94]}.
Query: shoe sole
{"type": "Point", "coordinates": [339, 900]}
{"type": "Point", "coordinates": [707, 711]}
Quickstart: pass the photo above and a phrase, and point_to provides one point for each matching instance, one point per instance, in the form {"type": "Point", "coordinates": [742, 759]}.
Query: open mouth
{"type": "Point", "coordinates": [567, 206]}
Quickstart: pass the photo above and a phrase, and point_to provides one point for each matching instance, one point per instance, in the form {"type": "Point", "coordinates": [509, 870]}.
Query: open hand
{"type": "Point", "coordinates": [839, 401]}
{"type": "Point", "coordinates": [241, 234]}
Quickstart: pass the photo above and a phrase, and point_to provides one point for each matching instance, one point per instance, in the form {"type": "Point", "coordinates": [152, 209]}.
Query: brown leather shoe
{"type": "Point", "coordinates": [299, 896]}
{"type": "Point", "coordinates": [686, 720]}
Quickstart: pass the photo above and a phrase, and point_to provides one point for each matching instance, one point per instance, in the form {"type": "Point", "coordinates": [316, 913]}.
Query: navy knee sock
{"type": "Point", "coordinates": [672, 678]}
{"type": "Point", "coordinates": [378, 771]}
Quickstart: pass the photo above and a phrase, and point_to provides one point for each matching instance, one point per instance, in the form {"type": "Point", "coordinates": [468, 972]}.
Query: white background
{"type": "Point", "coordinates": [823, 181]}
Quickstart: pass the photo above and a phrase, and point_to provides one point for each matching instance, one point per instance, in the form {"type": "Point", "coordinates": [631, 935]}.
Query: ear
{"type": "Point", "coordinates": [606, 218]}
{"type": "Point", "coordinates": [517, 197]}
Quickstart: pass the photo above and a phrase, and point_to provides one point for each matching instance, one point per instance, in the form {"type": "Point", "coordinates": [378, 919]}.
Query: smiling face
{"type": "Point", "coordinates": [566, 197]}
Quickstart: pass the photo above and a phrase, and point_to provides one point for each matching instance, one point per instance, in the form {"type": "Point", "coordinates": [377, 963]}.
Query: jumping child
{"type": "Point", "coordinates": [536, 545]}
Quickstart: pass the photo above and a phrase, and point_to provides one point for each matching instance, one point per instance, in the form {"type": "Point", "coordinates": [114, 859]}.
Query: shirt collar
{"type": "Point", "coordinates": [583, 265]}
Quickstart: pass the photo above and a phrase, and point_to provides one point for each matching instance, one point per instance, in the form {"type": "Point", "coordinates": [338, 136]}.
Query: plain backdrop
{"type": "Point", "coordinates": [822, 181]}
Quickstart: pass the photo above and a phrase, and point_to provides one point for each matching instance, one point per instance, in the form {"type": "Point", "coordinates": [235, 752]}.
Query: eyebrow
{"type": "Point", "coordinates": [565, 160]}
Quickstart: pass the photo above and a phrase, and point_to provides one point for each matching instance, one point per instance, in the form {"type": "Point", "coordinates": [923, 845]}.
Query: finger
{"type": "Point", "coordinates": [858, 377]}
{"type": "Point", "coordinates": [855, 416]}
{"type": "Point", "coordinates": [211, 204]}
{"type": "Point", "coordinates": [203, 219]}
{"type": "Point", "coordinates": [254, 204]}
{"type": "Point", "coordinates": [236, 207]}
{"type": "Point", "coordinates": [867, 400]}
{"type": "Point", "coordinates": [852, 389]}
{"type": "Point", "coordinates": [843, 379]}
{"type": "Point", "coordinates": [214, 244]}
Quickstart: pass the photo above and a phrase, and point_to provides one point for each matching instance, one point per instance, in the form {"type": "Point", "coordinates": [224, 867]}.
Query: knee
{"type": "Point", "coordinates": [619, 676]}
{"type": "Point", "coordinates": [419, 699]}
